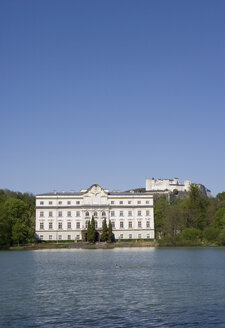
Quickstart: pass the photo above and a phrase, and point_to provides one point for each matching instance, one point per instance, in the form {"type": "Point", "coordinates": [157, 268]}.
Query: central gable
{"type": "Point", "coordinates": [95, 195]}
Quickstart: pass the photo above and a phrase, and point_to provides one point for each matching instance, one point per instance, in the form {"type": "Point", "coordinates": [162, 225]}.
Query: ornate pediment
{"type": "Point", "coordinates": [95, 195]}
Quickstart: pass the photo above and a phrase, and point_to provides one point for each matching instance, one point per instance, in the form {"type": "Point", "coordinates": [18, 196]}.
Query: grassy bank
{"type": "Point", "coordinates": [81, 245]}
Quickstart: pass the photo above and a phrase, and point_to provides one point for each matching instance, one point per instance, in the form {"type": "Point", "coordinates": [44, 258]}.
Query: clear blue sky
{"type": "Point", "coordinates": [111, 92]}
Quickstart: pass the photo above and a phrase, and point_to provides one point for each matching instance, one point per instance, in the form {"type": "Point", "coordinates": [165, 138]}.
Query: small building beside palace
{"type": "Point", "coordinates": [65, 215]}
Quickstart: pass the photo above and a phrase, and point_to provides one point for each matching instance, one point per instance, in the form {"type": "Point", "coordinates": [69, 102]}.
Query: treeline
{"type": "Point", "coordinates": [190, 220]}
{"type": "Point", "coordinates": [17, 218]}
{"type": "Point", "coordinates": [193, 220]}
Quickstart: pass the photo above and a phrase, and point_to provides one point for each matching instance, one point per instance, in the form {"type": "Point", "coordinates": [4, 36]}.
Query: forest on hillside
{"type": "Point", "coordinates": [192, 219]}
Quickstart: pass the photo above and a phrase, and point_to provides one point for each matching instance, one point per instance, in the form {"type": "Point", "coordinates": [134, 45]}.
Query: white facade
{"type": "Point", "coordinates": [65, 216]}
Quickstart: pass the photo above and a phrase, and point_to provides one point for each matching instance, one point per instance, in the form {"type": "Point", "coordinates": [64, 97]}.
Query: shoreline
{"type": "Point", "coordinates": [80, 245]}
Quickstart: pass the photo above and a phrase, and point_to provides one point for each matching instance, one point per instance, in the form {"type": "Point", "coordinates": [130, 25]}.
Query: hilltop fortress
{"type": "Point", "coordinates": [169, 185]}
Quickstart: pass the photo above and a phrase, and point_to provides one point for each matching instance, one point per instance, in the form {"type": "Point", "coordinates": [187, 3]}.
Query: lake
{"type": "Point", "coordinates": [173, 287]}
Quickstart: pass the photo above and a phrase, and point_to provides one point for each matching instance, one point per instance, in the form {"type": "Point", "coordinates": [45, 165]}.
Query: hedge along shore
{"type": "Point", "coordinates": [80, 245]}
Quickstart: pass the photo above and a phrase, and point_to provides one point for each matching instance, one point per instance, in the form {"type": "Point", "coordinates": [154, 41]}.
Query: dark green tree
{"type": "Point", "coordinates": [111, 236]}
{"type": "Point", "coordinates": [104, 235]}
{"type": "Point", "coordinates": [5, 229]}
{"type": "Point", "coordinates": [174, 222]}
{"type": "Point", "coordinates": [219, 219]}
{"type": "Point", "coordinates": [20, 233]}
{"type": "Point", "coordinates": [91, 231]}
{"type": "Point", "coordinates": [195, 207]}
{"type": "Point", "coordinates": [160, 216]}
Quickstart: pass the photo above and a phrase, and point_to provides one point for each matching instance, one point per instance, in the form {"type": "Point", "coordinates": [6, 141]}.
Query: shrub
{"type": "Point", "coordinates": [211, 234]}
{"type": "Point", "coordinates": [191, 234]}
{"type": "Point", "coordinates": [221, 238]}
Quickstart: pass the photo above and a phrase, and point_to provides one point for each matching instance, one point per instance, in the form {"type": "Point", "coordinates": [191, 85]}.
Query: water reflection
{"type": "Point", "coordinates": [83, 288]}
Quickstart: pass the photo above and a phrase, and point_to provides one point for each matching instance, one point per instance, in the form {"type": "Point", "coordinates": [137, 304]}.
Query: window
{"type": "Point", "coordinates": [68, 225]}
{"type": "Point", "coordinates": [112, 213]}
{"type": "Point", "coordinates": [121, 202]}
{"type": "Point", "coordinates": [50, 214]}
{"type": "Point", "coordinates": [121, 224]}
{"type": "Point", "coordinates": [103, 213]}
{"type": "Point", "coordinates": [60, 203]}
{"type": "Point", "coordinates": [68, 203]}
{"type": "Point", "coordinates": [95, 214]}
{"type": "Point", "coordinates": [112, 202]}
{"type": "Point", "coordinates": [147, 201]}
{"type": "Point", "coordinates": [41, 203]}
{"type": "Point", "coordinates": [60, 225]}
{"type": "Point", "coordinates": [129, 202]}
{"type": "Point", "coordinates": [41, 225]}
{"type": "Point", "coordinates": [60, 237]}
{"type": "Point", "coordinates": [139, 213]}
{"type": "Point", "coordinates": [77, 213]}
{"type": "Point", "coordinates": [78, 202]}
{"type": "Point", "coordinates": [121, 236]}
{"type": "Point", "coordinates": [78, 225]}
{"type": "Point", "coordinates": [49, 203]}
{"type": "Point", "coordinates": [139, 236]}
{"type": "Point", "coordinates": [96, 224]}
{"type": "Point", "coordinates": [147, 213]}
{"type": "Point", "coordinates": [69, 237]}
{"type": "Point", "coordinates": [86, 224]}
{"type": "Point", "coordinates": [50, 225]}
{"type": "Point", "coordinates": [50, 237]}
{"type": "Point", "coordinates": [129, 213]}
{"type": "Point", "coordinates": [121, 213]}
{"type": "Point", "coordinates": [69, 213]}
{"type": "Point", "coordinates": [41, 237]}
{"type": "Point", "coordinates": [139, 224]}
{"type": "Point", "coordinates": [148, 235]}
{"type": "Point", "coordinates": [113, 224]}
{"type": "Point", "coordinates": [139, 202]}
{"type": "Point", "coordinates": [130, 224]}
{"type": "Point", "coordinates": [77, 237]}
{"type": "Point", "coordinates": [147, 224]}
{"type": "Point", "coordinates": [130, 235]}
{"type": "Point", "coordinates": [60, 213]}
{"type": "Point", "coordinates": [87, 213]}
{"type": "Point", "coordinates": [41, 214]}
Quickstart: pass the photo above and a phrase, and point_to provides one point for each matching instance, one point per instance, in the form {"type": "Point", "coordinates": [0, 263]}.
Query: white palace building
{"type": "Point", "coordinates": [65, 215]}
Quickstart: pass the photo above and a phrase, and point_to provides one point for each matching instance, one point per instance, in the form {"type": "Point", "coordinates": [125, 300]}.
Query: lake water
{"type": "Point", "coordinates": [175, 287]}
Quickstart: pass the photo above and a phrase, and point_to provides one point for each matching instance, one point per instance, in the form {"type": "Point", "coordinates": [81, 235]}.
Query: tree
{"type": "Point", "coordinates": [111, 236]}
{"type": "Point", "coordinates": [219, 219]}
{"type": "Point", "coordinates": [91, 231]}
{"type": "Point", "coordinates": [221, 238]}
{"type": "Point", "coordinates": [195, 208]}
{"type": "Point", "coordinates": [221, 196]}
{"type": "Point", "coordinates": [174, 223]}
{"type": "Point", "coordinates": [211, 234]}
{"type": "Point", "coordinates": [104, 235]}
{"type": "Point", "coordinates": [160, 216]}
{"type": "Point", "coordinates": [20, 225]}
{"type": "Point", "coordinates": [5, 229]}
{"type": "Point", "coordinates": [19, 232]}
{"type": "Point", "coordinates": [192, 234]}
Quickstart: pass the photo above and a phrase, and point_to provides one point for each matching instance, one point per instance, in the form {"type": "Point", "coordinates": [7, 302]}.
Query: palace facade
{"type": "Point", "coordinates": [65, 215]}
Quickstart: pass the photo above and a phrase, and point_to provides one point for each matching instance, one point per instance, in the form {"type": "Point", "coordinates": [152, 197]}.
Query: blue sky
{"type": "Point", "coordinates": [111, 92]}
